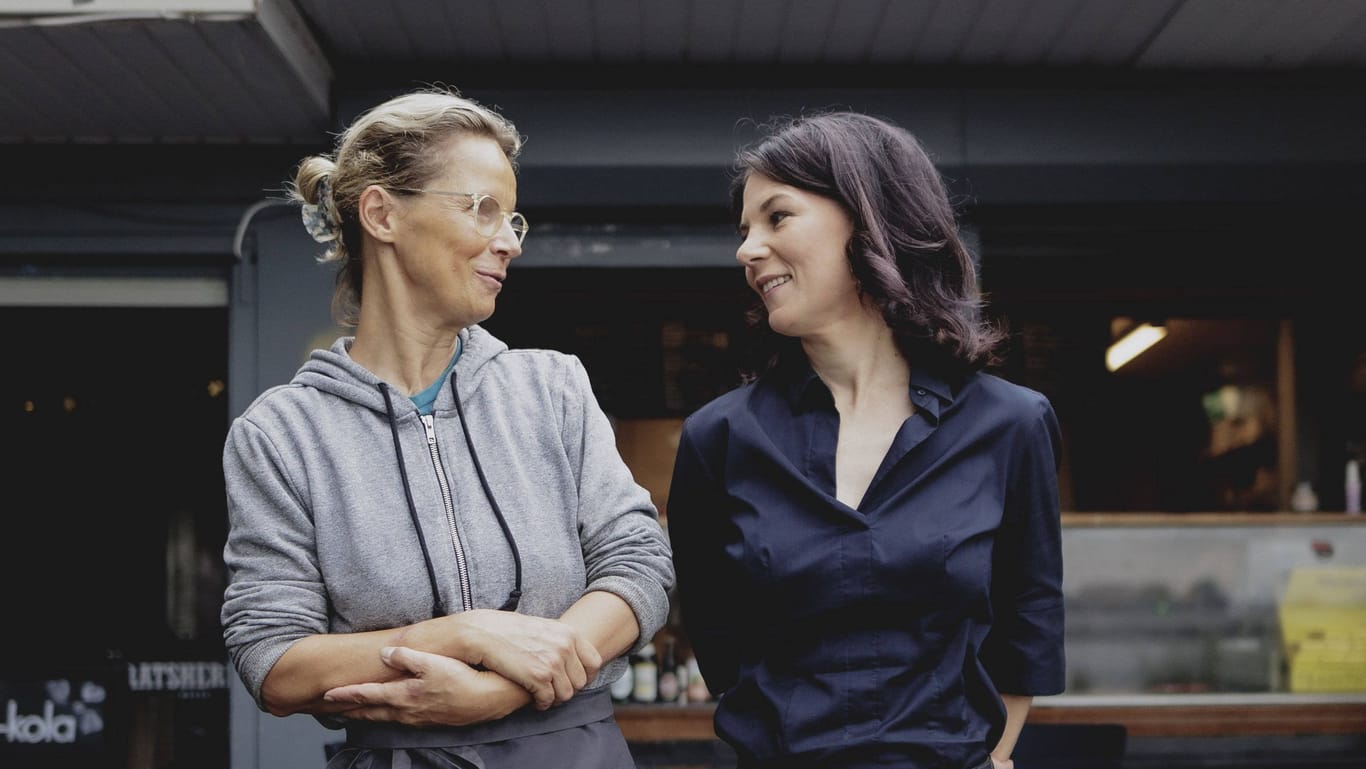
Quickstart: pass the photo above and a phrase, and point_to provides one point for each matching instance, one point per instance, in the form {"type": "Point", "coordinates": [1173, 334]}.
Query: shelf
{"type": "Point", "coordinates": [663, 723]}
{"type": "Point", "coordinates": [1165, 715]}
{"type": "Point", "coordinates": [1209, 715]}
{"type": "Point", "coordinates": [1103, 520]}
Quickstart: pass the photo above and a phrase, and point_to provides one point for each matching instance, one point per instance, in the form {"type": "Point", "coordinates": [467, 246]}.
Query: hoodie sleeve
{"type": "Point", "coordinates": [275, 594]}
{"type": "Point", "coordinates": [625, 551]}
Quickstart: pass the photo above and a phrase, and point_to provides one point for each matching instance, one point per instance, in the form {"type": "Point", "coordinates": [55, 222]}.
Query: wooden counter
{"type": "Point", "coordinates": [1184, 715]}
{"type": "Point", "coordinates": [661, 723]}
{"type": "Point", "coordinates": [1123, 520]}
{"type": "Point", "coordinates": [1159, 715]}
{"type": "Point", "coordinates": [1209, 715]}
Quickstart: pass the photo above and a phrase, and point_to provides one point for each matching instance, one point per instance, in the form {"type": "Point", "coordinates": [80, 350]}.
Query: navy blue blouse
{"type": "Point", "coordinates": [878, 636]}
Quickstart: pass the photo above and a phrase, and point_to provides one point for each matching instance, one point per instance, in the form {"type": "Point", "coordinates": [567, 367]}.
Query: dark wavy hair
{"type": "Point", "coordinates": [906, 253]}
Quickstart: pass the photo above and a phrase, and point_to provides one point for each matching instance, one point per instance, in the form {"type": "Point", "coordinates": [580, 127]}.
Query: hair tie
{"type": "Point", "coordinates": [320, 218]}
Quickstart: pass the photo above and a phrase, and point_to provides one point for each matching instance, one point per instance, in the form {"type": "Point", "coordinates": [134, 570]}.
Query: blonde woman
{"type": "Point", "coordinates": [433, 541]}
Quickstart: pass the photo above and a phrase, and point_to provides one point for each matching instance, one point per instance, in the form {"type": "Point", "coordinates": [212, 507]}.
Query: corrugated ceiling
{"type": "Point", "coordinates": [263, 71]}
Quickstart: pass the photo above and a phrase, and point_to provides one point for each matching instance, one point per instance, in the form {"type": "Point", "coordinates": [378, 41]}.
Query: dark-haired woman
{"type": "Point", "coordinates": [866, 534]}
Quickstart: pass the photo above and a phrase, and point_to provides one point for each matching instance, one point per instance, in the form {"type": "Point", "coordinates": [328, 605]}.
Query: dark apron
{"type": "Point", "coordinates": [580, 734]}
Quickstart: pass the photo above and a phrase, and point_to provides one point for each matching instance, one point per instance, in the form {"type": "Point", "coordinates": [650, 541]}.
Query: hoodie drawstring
{"type": "Point", "coordinates": [437, 609]}
{"type": "Point", "coordinates": [515, 596]}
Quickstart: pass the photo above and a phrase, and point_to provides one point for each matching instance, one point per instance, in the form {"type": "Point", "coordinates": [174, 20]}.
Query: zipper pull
{"type": "Point", "coordinates": [430, 423]}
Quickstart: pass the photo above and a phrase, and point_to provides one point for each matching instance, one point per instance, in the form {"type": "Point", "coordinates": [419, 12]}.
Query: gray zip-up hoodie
{"type": "Point", "coordinates": [349, 511]}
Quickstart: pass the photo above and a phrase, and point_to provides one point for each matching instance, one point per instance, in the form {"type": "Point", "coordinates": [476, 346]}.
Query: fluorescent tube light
{"type": "Point", "coordinates": [1132, 344]}
{"type": "Point", "coordinates": [99, 7]}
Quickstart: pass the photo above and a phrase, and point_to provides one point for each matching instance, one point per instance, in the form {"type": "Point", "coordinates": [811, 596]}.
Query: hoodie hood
{"type": "Point", "coordinates": [333, 371]}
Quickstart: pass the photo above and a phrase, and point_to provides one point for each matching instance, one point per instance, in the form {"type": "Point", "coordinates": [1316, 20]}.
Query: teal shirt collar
{"type": "Point", "coordinates": [427, 398]}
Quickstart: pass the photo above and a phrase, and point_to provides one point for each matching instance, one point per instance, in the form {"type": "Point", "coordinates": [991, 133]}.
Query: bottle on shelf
{"type": "Point", "coordinates": [622, 688]}
{"type": "Point", "coordinates": [645, 674]}
{"type": "Point", "coordinates": [1303, 499]}
{"type": "Point", "coordinates": [697, 688]}
{"type": "Point", "coordinates": [681, 670]}
{"type": "Point", "coordinates": [1353, 487]}
{"type": "Point", "coordinates": [668, 673]}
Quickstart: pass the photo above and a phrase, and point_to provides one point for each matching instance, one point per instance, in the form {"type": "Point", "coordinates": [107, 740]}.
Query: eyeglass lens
{"type": "Point", "coordinates": [489, 218]}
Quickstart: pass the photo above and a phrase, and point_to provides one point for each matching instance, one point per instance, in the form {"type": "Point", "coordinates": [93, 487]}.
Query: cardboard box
{"type": "Point", "coordinates": [1323, 629]}
{"type": "Point", "coordinates": [648, 446]}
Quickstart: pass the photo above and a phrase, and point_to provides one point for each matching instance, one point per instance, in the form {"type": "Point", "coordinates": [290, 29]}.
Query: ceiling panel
{"type": "Point", "coordinates": [220, 87]}
{"type": "Point", "coordinates": [992, 30]}
{"type": "Point", "coordinates": [758, 32]}
{"type": "Point", "coordinates": [262, 70]}
{"type": "Point", "coordinates": [340, 26]}
{"type": "Point", "coordinates": [137, 54]}
{"type": "Point", "coordinates": [21, 72]}
{"type": "Point", "coordinates": [104, 66]}
{"type": "Point", "coordinates": [664, 30]}
{"type": "Point", "coordinates": [519, 27]}
{"type": "Point", "coordinates": [853, 26]}
{"type": "Point", "coordinates": [1348, 47]}
{"type": "Point", "coordinates": [946, 31]}
{"type": "Point", "coordinates": [249, 55]}
{"type": "Point", "coordinates": [902, 25]}
{"type": "Point", "coordinates": [1293, 33]}
{"type": "Point", "coordinates": [713, 31]}
{"type": "Point", "coordinates": [1205, 33]}
{"type": "Point", "coordinates": [567, 30]}
{"type": "Point", "coordinates": [805, 29]}
{"type": "Point", "coordinates": [422, 35]}
{"type": "Point", "coordinates": [173, 76]}
{"type": "Point", "coordinates": [617, 30]}
{"type": "Point", "coordinates": [1037, 32]}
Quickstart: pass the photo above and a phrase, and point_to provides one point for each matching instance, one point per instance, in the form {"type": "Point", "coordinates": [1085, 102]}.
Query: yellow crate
{"type": "Point", "coordinates": [1323, 603]}
{"type": "Point", "coordinates": [1336, 648]}
{"type": "Point", "coordinates": [1309, 676]}
{"type": "Point", "coordinates": [1323, 629]}
{"type": "Point", "coordinates": [1327, 586]}
{"type": "Point", "coordinates": [1321, 623]}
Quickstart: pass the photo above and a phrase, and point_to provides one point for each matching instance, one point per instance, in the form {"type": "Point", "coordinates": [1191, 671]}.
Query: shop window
{"type": "Point", "coordinates": [1192, 422]}
{"type": "Point", "coordinates": [114, 420]}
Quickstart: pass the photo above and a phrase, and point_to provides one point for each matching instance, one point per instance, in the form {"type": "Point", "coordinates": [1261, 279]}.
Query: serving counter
{"type": "Point", "coordinates": [1173, 630]}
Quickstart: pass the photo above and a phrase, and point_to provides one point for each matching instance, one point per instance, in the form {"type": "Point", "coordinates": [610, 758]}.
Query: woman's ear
{"type": "Point", "coordinates": [378, 212]}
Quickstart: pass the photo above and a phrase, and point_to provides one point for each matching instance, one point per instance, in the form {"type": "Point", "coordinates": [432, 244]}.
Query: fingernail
{"type": "Point", "coordinates": [329, 697]}
{"type": "Point", "coordinates": [385, 652]}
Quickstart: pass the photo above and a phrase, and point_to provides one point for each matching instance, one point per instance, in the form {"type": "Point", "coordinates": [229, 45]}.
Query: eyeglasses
{"type": "Point", "coordinates": [488, 213]}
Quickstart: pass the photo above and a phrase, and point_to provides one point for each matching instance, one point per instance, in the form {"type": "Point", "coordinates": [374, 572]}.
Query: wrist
{"type": "Point", "coordinates": [459, 637]}
{"type": "Point", "coordinates": [509, 696]}
{"type": "Point", "coordinates": [439, 635]}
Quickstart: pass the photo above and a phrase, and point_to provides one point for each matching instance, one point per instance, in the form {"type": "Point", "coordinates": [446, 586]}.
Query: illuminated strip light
{"type": "Point", "coordinates": [1140, 338]}
{"type": "Point", "coordinates": [104, 7]}
{"type": "Point", "coordinates": [82, 291]}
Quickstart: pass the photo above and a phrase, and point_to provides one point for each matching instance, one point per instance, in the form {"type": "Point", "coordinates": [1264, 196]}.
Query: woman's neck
{"type": "Point", "coordinates": [859, 357]}
{"type": "Point", "coordinates": [399, 349]}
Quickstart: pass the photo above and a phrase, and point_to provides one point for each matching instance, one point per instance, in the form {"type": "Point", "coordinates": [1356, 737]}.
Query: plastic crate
{"type": "Point", "coordinates": [1323, 629]}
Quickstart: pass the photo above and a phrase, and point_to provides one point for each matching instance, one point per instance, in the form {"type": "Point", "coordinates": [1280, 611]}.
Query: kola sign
{"type": "Point", "coordinates": [48, 727]}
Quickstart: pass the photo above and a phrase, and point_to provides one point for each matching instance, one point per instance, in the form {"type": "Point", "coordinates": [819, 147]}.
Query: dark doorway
{"type": "Point", "coordinates": [114, 519]}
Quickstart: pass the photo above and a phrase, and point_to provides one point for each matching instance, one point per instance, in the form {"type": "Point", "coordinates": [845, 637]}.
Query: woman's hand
{"type": "Point", "coordinates": [547, 657]}
{"type": "Point", "coordinates": [438, 691]}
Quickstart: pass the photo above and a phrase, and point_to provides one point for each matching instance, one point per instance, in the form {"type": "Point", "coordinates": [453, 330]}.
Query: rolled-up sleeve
{"type": "Point", "coordinates": [625, 550]}
{"type": "Point", "coordinates": [708, 588]}
{"type": "Point", "coordinates": [1024, 651]}
{"type": "Point", "coordinates": [275, 594]}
